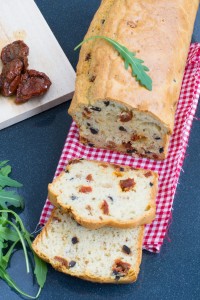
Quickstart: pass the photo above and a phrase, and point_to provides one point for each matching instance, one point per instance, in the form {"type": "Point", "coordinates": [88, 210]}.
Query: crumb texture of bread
{"type": "Point", "coordinates": [101, 194]}
{"type": "Point", "coordinates": [105, 255]}
{"type": "Point", "coordinates": [111, 109]}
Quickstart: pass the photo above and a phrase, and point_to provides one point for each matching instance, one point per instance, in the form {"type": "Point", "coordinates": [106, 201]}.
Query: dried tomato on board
{"type": "Point", "coordinates": [17, 49]}
{"type": "Point", "coordinates": [32, 84]}
{"type": "Point", "coordinates": [10, 77]}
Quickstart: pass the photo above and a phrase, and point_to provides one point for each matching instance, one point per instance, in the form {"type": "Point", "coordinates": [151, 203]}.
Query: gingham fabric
{"type": "Point", "coordinates": [169, 169]}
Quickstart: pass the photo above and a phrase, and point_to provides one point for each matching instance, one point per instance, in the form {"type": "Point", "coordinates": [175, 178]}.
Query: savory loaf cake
{"type": "Point", "coordinates": [100, 194]}
{"type": "Point", "coordinates": [106, 255]}
{"type": "Point", "coordinates": [111, 108]}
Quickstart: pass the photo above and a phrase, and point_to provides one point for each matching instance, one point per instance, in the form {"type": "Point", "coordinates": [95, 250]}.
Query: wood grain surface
{"type": "Point", "coordinates": [21, 19]}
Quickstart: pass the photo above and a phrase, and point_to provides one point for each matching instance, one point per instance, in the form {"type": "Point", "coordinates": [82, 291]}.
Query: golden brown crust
{"type": "Point", "coordinates": [132, 274]}
{"type": "Point", "coordinates": [94, 224]}
{"type": "Point", "coordinates": [162, 40]}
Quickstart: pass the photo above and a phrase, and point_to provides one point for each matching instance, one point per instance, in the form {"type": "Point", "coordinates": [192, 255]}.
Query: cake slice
{"type": "Point", "coordinates": [99, 194]}
{"type": "Point", "coordinates": [105, 255]}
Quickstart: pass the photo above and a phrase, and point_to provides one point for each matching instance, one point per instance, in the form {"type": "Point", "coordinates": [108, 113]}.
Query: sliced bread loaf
{"type": "Point", "coordinates": [100, 194]}
{"type": "Point", "coordinates": [105, 255]}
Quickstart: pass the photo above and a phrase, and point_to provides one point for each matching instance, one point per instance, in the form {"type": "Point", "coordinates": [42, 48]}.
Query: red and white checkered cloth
{"type": "Point", "coordinates": [169, 169]}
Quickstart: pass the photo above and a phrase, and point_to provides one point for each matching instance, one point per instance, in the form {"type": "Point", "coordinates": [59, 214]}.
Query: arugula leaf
{"type": "Point", "coordinates": [5, 276]}
{"type": "Point", "coordinates": [7, 181]}
{"type": "Point", "coordinates": [14, 231]}
{"type": "Point", "coordinates": [8, 234]}
{"type": "Point", "coordinates": [40, 270]}
{"type": "Point", "coordinates": [2, 163]}
{"type": "Point", "coordinates": [138, 69]}
{"type": "Point", "coordinates": [6, 257]}
{"type": "Point", "coordinates": [10, 198]}
{"type": "Point", "coordinates": [5, 171]}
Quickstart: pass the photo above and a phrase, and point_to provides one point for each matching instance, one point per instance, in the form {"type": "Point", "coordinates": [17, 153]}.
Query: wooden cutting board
{"type": "Point", "coordinates": [21, 19]}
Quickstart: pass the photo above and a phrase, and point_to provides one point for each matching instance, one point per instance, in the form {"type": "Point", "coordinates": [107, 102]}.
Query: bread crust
{"type": "Point", "coordinates": [160, 34]}
{"type": "Point", "coordinates": [132, 274]}
{"type": "Point", "coordinates": [92, 224]}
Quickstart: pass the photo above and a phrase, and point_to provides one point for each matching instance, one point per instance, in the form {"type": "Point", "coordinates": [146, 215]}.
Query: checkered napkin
{"type": "Point", "coordinates": [169, 169]}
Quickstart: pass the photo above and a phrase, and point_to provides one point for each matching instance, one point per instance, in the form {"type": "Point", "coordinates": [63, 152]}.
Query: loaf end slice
{"type": "Point", "coordinates": [100, 194]}
{"type": "Point", "coordinates": [105, 255]}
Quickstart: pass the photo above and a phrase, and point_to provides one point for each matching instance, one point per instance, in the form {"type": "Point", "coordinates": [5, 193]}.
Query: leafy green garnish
{"type": "Point", "coordinates": [8, 198]}
{"type": "Point", "coordinates": [12, 231]}
{"type": "Point", "coordinates": [5, 171]}
{"type": "Point", "coordinates": [7, 181]}
{"type": "Point", "coordinates": [138, 69]}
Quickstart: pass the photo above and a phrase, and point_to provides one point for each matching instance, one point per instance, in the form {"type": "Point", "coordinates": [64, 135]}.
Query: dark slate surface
{"type": "Point", "coordinates": [33, 148]}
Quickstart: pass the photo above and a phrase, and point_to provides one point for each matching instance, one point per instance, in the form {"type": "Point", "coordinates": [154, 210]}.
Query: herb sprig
{"type": "Point", "coordinates": [12, 231]}
{"type": "Point", "coordinates": [139, 71]}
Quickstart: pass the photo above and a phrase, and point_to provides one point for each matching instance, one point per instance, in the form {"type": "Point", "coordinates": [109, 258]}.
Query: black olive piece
{"type": "Point", "coordinates": [75, 240]}
{"type": "Point", "coordinates": [95, 108]}
{"type": "Point", "coordinates": [161, 150]}
{"type": "Point", "coordinates": [88, 124]}
{"type": "Point", "coordinates": [88, 57]}
{"type": "Point", "coordinates": [147, 152]}
{"type": "Point", "coordinates": [121, 128]}
{"type": "Point", "coordinates": [117, 277]}
{"type": "Point", "coordinates": [126, 249]}
{"type": "Point", "coordinates": [92, 78]}
{"type": "Point", "coordinates": [115, 272]}
{"type": "Point", "coordinates": [72, 264]}
{"type": "Point", "coordinates": [91, 145]}
{"type": "Point", "coordinates": [111, 198]}
{"type": "Point", "coordinates": [131, 151]}
{"type": "Point", "coordinates": [106, 103]}
{"type": "Point", "coordinates": [157, 138]}
{"type": "Point", "coordinates": [151, 184]}
{"type": "Point", "coordinates": [94, 131]}
{"type": "Point", "coordinates": [73, 197]}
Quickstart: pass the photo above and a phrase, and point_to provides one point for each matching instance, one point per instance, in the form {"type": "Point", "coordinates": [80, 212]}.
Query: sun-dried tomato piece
{"type": "Point", "coordinates": [126, 116]}
{"type": "Point", "coordinates": [127, 184]}
{"type": "Point", "coordinates": [89, 177]}
{"type": "Point", "coordinates": [120, 267]}
{"type": "Point", "coordinates": [10, 77]}
{"type": "Point", "coordinates": [85, 189]}
{"type": "Point", "coordinates": [127, 145]}
{"type": "Point", "coordinates": [105, 207]}
{"type": "Point", "coordinates": [86, 113]}
{"type": "Point", "coordinates": [135, 137]}
{"type": "Point", "coordinates": [17, 49]}
{"type": "Point", "coordinates": [32, 84]}
{"type": "Point", "coordinates": [63, 261]}
{"type": "Point", "coordinates": [148, 174]}
{"type": "Point", "coordinates": [111, 145]}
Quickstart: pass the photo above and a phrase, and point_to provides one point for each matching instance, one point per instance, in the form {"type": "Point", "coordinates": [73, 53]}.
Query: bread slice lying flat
{"type": "Point", "coordinates": [105, 255]}
{"type": "Point", "coordinates": [100, 194]}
